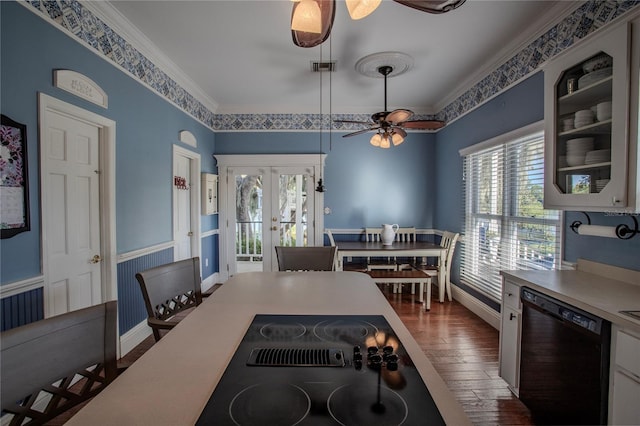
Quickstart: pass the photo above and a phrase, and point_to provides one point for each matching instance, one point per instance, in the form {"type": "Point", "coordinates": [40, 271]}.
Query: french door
{"type": "Point", "coordinates": [265, 205]}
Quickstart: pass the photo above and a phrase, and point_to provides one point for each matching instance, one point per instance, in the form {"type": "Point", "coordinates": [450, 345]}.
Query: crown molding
{"type": "Point", "coordinates": [116, 20]}
{"type": "Point", "coordinates": [544, 23]}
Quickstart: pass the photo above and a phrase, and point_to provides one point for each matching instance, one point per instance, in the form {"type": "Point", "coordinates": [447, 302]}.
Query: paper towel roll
{"type": "Point", "coordinates": [597, 231]}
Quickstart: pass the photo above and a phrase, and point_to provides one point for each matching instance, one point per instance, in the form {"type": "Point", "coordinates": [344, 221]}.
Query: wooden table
{"type": "Point", "coordinates": [397, 249]}
{"type": "Point", "coordinates": [172, 382]}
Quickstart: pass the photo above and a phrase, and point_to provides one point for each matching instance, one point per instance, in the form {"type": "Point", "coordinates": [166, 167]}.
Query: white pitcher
{"type": "Point", "coordinates": [388, 234]}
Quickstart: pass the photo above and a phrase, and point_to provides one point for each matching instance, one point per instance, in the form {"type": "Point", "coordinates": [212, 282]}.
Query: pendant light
{"type": "Point", "coordinates": [320, 187]}
{"type": "Point", "coordinates": [358, 9]}
{"type": "Point", "coordinates": [307, 17]}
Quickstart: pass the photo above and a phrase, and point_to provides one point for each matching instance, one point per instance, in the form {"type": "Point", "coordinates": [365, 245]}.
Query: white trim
{"type": "Point", "coordinates": [485, 312]}
{"type": "Point", "coordinates": [134, 337]}
{"type": "Point", "coordinates": [125, 29]}
{"type": "Point", "coordinates": [22, 286]}
{"type": "Point", "coordinates": [521, 132]}
{"type": "Point", "coordinates": [553, 16]}
{"type": "Point", "coordinates": [210, 281]}
{"type": "Point", "coordinates": [107, 146]}
{"type": "Point", "coordinates": [81, 86]}
{"type": "Point", "coordinates": [144, 251]}
{"type": "Point", "coordinates": [187, 137]}
{"type": "Point", "coordinates": [210, 233]}
{"type": "Point", "coordinates": [194, 201]}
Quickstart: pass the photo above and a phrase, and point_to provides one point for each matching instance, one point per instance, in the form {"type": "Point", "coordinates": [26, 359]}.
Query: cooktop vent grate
{"type": "Point", "coordinates": [296, 357]}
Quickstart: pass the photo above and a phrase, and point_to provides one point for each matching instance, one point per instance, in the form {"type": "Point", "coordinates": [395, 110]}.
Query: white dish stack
{"type": "Point", "coordinates": [577, 150]}
{"type": "Point", "coordinates": [597, 156]}
{"type": "Point", "coordinates": [583, 118]}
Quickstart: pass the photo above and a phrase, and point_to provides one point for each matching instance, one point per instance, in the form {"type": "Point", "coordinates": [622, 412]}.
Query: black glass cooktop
{"type": "Point", "coordinates": [320, 370]}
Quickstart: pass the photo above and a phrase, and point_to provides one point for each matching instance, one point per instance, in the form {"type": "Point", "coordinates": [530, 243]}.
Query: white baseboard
{"type": "Point", "coordinates": [489, 315]}
{"type": "Point", "coordinates": [134, 337]}
{"type": "Point", "coordinates": [210, 281]}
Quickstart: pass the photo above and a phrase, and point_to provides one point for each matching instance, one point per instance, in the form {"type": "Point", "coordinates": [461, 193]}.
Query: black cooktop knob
{"type": "Point", "coordinates": [387, 350]}
{"type": "Point", "coordinates": [392, 365]}
{"type": "Point", "coordinates": [372, 350]}
{"type": "Point", "coordinates": [357, 364]}
{"type": "Point", "coordinates": [357, 356]}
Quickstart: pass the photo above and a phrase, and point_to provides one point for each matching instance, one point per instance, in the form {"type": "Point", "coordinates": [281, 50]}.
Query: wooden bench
{"type": "Point", "coordinates": [401, 277]}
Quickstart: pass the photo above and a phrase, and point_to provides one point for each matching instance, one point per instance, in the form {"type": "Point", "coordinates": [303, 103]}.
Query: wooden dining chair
{"type": "Point", "coordinates": [448, 241]}
{"type": "Point", "coordinates": [373, 235]}
{"type": "Point", "coordinates": [52, 365]}
{"type": "Point", "coordinates": [169, 291]}
{"type": "Point", "coordinates": [306, 258]}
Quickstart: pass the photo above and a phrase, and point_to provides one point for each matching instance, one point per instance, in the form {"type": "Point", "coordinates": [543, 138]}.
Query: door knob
{"type": "Point", "coordinates": [96, 259]}
{"type": "Point", "coordinates": [274, 228]}
{"type": "Point", "coordinates": [275, 219]}
{"type": "Point", "coordinates": [190, 234]}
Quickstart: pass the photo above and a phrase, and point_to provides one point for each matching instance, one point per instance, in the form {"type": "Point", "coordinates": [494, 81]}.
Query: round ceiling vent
{"type": "Point", "coordinates": [400, 62]}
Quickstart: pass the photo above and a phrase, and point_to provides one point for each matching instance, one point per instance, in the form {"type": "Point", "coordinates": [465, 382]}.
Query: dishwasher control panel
{"type": "Point", "coordinates": [562, 310]}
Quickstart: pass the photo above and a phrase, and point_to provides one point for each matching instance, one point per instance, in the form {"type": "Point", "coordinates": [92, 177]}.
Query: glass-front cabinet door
{"type": "Point", "coordinates": [586, 124]}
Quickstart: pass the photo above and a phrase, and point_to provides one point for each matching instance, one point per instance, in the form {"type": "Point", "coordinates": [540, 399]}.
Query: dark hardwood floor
{"type": "Point", "coordinates": [464, 350]}
{"type": "Point", "coordinates": [461, 346]}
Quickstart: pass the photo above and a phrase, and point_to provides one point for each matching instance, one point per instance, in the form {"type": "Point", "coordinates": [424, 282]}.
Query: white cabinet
{"type": "Point", "coordinates": [589, 163]}
{"type": "Point", "coordinates": [510, 331]}
{"type": "Point", "coordinates": [624, 391]}
{"type": "Point", "coordinates": [209, 187]}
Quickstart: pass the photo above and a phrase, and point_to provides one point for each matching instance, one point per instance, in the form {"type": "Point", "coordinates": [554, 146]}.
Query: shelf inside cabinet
{"type": "Point", "coordinates": [599, 128]}
{"type": "Point", "coordinates": [584, 167]}
{"type": "Point", "coordinates": [586, 97]}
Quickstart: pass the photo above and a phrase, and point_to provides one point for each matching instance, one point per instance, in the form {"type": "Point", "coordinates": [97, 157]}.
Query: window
{"type": "Point", "coordinates": [505, 224]}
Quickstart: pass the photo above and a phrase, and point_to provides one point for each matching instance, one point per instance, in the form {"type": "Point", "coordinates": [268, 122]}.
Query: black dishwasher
{"type": "Point", "coordinates": [564, 362]}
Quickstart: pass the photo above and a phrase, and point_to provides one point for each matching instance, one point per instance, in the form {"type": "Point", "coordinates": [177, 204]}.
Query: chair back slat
{"type": "Point", "coordinates": [306, 258]}
{"type": "Point", "coordinates": [372, 235]}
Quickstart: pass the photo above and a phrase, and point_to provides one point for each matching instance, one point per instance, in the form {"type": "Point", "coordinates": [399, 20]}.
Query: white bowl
{"type": "Point", "coordinates": [575, 160]}
{"type": "Point", "coordinates": [603, 111]}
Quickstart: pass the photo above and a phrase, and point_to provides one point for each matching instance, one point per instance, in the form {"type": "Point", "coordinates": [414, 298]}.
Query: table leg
{"type": "Point", "coordinates": [441, 281]}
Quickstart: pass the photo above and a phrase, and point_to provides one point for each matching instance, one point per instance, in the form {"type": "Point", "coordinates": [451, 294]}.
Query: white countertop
{"type": "Point", "coordinates": [172, 382]}
{"type": "Point", "coordinates": [600, 295]}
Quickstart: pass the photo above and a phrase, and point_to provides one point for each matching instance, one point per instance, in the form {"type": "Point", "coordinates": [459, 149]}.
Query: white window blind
{"type": "Point", "coordinates": [505, 224]}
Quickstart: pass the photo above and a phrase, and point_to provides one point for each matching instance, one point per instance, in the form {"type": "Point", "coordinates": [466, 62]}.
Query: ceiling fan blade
{"type": "Point", "coordinates": [432, 6]}
{"type": "Point", "coordinates": [398, 116]}
{"type": "Point", "coordinates": [400, 131]}
{"type": "Point", "coordinates": [359, 132]}
{"type": "Point", "coordinates": [423, 124]}
{"type": "Point", "coordinates": [327, 13]}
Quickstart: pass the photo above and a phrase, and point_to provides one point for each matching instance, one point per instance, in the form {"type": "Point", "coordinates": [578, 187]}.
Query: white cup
{"type": "Point", "coordinates": [603, 111]}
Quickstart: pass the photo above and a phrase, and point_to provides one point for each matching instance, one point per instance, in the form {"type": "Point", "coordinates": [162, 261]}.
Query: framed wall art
{"type": "Point", "coordinates": [14, 188]}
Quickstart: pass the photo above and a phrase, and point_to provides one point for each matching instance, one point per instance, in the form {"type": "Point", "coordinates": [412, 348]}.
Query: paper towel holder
{"type": "Point", "coordinates": [623, 231]}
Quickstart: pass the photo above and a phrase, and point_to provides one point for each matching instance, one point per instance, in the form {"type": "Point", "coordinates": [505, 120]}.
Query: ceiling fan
{"type": "Point", "coordinates": [312, 20]}
{"type": "Point", "coordinates": [390, 125]}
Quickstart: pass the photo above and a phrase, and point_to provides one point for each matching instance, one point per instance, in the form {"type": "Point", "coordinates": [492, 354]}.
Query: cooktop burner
{"type": "Point", "coordinates": [320, 370]}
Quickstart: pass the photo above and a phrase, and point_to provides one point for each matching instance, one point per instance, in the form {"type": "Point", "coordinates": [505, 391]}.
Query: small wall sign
{"type": "Point", "coordinates": [81, 86]}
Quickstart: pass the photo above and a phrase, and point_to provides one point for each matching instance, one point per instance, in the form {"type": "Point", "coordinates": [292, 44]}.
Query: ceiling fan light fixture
{"type": "Point", "coordinates": [358, 9]}
{"type": "Point", "coordinates": [386, 141]}
{"type": "Point", "coordinates": [376, 140]}
{"type": "Point", "coordinates": [397, 139]}
{"type": "Point", "coordinates": [307, 17]}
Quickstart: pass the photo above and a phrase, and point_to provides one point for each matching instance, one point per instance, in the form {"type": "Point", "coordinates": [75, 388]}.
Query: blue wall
{"type": "Point", "coordinates": [366, 186]}
{"type": "Point", "coordinates": [147, 127]}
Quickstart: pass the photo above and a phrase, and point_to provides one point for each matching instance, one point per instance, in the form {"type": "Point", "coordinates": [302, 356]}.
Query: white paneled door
{"type": "Point", "coordinates": [71, 169]}
{"type": "Point", "coordinates": [186, 201]}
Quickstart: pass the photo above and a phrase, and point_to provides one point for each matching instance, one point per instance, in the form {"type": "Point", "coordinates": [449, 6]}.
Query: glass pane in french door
{"type": "Point", "coordinates": [293, 207]}
{"type": "Point", "coordinates": [249, 222]}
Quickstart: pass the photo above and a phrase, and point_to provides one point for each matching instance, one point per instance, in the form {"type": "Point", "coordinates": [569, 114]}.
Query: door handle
{"type": "Point", "coordinates": [96, 259]}
{"type": "Point", "coordinates": [274, 219]}
{"type": "Point", "coordinates": [511, 316]}
{"type": "Point", "coordinates": [274, 228]}
{"type": "Point", "coordinates": [190, 234]}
